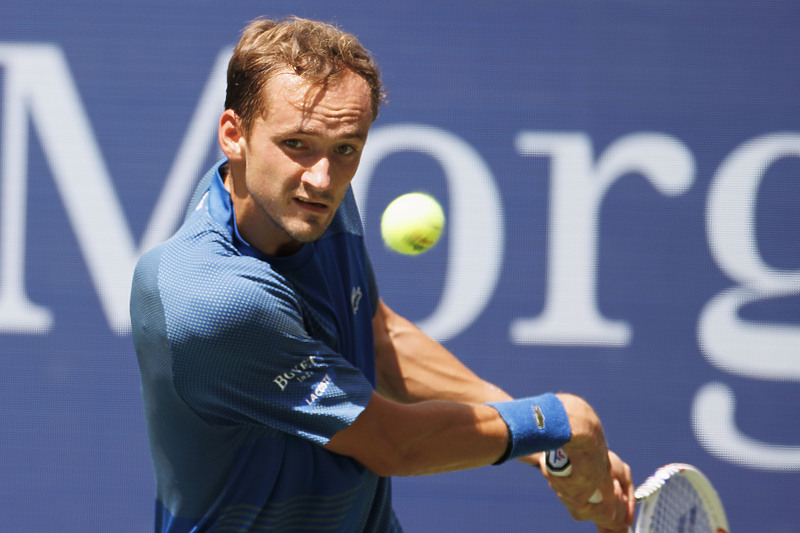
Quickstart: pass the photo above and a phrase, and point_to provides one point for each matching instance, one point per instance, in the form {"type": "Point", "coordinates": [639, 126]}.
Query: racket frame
{"type": "Point", "coordinates": [649, 492]}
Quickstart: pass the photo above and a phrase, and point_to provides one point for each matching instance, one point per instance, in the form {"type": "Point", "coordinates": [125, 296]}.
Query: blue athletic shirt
{"type": "Point", "coordinates": [249, 364]}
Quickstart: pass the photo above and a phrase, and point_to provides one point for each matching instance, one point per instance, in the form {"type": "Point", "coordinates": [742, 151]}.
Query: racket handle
{"type": "Point", "coordinates": [558, 464]}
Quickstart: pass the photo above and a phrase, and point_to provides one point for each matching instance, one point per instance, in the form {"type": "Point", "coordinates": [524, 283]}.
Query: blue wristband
{"type": "Point", "coordinates": [535, 424]}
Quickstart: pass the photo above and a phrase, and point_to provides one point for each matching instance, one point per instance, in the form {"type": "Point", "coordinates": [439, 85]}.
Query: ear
{"type": "Point", "coordinates": [231, 137]}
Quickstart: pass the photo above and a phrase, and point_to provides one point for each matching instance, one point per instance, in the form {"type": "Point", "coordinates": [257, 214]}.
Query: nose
{"type": "Point", "coordinates": [318, 175]}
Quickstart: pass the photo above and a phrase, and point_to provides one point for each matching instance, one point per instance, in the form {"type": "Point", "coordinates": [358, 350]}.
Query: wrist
{"type": "Point", "coordinates": [535, 424]}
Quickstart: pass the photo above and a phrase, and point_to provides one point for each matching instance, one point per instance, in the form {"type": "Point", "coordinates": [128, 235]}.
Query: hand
{"type": "Point", "coordinates": [614, 514]}
{"type": "Point", "coordinates": [593, 467]}
{"type": "Point", "coordinates": [611, 476]}
{"type": "Point", "coordinates": [625, 501]}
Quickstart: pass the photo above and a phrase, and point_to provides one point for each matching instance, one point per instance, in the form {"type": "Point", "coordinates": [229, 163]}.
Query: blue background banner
{"type": "Point", "coordinates": [621, 181]}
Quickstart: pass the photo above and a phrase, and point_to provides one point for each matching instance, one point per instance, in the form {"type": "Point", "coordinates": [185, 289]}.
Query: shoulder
{"type": "Point", "coordinates": [199, 273]}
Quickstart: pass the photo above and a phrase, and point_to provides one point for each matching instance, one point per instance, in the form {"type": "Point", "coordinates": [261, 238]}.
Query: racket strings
{"type": "Point", "coordinates": [680, 509]}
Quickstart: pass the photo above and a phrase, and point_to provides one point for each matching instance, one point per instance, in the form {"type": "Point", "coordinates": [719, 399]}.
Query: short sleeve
{"type": "Point", "coordinates": [241, 355]}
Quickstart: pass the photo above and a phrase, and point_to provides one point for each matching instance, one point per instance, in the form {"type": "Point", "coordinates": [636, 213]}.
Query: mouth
{"type": "Point", "coordinates": [311, 205]}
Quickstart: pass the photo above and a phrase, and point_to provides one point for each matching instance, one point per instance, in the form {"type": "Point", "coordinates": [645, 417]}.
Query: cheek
{"type": "Point", "coordinates": [341, 185]}
{"type": "Point", "coordinates": [273, 173]}
{"type": "Point", "coordinates": [344, 172]}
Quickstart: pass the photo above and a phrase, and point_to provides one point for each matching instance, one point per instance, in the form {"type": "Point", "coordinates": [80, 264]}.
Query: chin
{"type": "Point", "coordinates": [308, 234]}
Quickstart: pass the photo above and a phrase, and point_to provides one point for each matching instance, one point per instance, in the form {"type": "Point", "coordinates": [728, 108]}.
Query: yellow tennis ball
{"type": "Point", "coordinates": [412, 223]}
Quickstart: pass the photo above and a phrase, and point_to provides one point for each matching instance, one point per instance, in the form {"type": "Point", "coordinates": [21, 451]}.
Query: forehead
{"type": "Point", "coordinates": [294, 101]}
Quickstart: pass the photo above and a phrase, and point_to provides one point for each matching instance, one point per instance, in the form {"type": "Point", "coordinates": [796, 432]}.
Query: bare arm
{"type": "Point", "coordinates": [428, 416]}
{"type": "Point", "coordinates": [412, 367]}
{"type": "Point", "coordinates": [395, 439]}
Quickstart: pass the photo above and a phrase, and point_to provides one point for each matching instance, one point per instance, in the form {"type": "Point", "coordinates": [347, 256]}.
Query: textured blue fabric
{"type": "Point", "coordinates": [535, 424]}
{"type": "Point", "coordinates": [249, 364]}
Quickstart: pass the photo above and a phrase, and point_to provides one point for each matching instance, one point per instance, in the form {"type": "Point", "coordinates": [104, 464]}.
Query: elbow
{"type": "Point", "coordinates": [384, 468]}
{"type": "Point", "coordinates": [387, 459]}
{"type": "Point", "coordinates": [379, 439]}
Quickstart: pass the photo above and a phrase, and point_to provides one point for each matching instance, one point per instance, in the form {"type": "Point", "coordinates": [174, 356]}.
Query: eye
{"type": "Point", "coordinates": [346, 149]}
{"type": "Point", "coordinates": [293, 144]}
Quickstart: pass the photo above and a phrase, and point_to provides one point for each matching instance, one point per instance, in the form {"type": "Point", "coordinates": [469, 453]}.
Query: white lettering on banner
{"type": "Point", "coordinates": [38, 89]}
{"type": "Point", "coordinates": [17, 313]}
{"type": "Point", "coordinates": [476, 232]}
{"type": "Point", "coordinates": [577, 188]}
{"type": "Point", "coordinates": [749, 349]}
{"type": "Point", "coordinates": [714, 424]}
{"type": "Point", "coordinates": [38, 82]}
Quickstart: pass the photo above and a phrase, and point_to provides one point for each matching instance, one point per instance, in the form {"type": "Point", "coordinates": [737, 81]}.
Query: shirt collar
{"type": "Point", "coordinates": [220, 207]}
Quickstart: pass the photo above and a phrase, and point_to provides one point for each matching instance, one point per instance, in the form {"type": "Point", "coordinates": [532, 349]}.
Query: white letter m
{"type": "Point", "coordinates": [38, 83]}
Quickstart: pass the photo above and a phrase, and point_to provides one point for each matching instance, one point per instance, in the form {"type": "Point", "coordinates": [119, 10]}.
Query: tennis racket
{"type": "Point", "coordinates": [677, 498]}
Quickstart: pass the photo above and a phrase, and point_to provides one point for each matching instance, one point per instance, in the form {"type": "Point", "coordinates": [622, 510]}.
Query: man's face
{"type": "Point", "coordinates": [289, 175]}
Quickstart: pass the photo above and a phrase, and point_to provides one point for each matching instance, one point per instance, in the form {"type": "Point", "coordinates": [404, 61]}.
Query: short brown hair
{"type": "Point", "coordinates": [314, 50]}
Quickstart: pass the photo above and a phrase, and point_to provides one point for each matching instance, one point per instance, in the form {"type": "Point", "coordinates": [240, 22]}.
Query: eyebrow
{"type": "Point", "coordinates": [359, 135]}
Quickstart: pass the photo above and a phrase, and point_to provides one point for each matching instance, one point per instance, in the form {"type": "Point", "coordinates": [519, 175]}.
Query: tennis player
{"type": "Point", "coordinates": [280, 392]}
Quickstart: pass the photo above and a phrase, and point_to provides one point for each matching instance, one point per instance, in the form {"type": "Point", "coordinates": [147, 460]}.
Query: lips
{"type": "Point", "coordinates": [311, 205]}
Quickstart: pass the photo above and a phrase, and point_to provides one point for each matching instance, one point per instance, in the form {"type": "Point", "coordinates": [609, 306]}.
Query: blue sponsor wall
{"type": "Point", "coordinates": [621, 181]}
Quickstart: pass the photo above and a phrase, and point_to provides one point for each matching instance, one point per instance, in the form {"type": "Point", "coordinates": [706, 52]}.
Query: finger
{"type": "Point", "coordinates": [631, 503]}
{"type": "Point", "coordinates": [606, 530]}
{"type": "Point", "coordinates": [627, 489]}
{"type": "Point", "coordinates": [573, 489]}
{"type": "Point", "coordinates": [621, 472]}
{"type": "Point", "coordinates": [586, 499]}
{"type": "Point", "coordinates": [612, 515]}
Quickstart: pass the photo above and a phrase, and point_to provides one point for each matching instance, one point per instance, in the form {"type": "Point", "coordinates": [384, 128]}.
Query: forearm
{"type": "Point", "coordinates": [413, 367]}
{"type": "Point", "coordinates": [392, 438]}
{"type": "Point", "coordinates": [423, 438]}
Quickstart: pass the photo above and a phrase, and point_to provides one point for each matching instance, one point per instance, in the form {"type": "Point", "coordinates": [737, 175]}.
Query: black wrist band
{"type": "Point", "coordinates": [509, 446]}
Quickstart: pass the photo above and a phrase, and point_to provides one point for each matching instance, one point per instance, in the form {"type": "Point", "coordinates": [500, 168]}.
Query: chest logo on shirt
{"type": "Point", "coordinates": [355, 298]}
